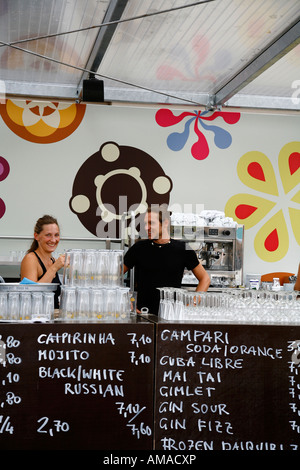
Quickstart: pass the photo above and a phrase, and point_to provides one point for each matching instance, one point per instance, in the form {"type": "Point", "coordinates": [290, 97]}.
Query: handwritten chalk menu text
{"type": "Point", "coordinates": [227, 387]}
{"type": "Point", "coordinates": [76, 386]}
{"type": "Point", "coordinates": [147, 384]}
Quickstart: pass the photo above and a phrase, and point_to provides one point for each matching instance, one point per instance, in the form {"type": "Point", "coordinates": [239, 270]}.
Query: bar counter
{"type": "Point", "coordinates": [147, 383]}
{"type": "Point", "coordinates": [227, 386]}
{"type": "Point", "coordinates": [77, 386]}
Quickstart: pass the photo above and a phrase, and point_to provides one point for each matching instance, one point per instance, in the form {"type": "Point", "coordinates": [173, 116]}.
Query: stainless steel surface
{"type": "Point", "coordinates": [220, 251]}
{"type": "Point", "coordinates": [17, 287]}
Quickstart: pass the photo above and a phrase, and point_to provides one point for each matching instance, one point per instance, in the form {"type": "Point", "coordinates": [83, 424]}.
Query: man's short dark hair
{"type": "Point", "coordinates": [161, 210]}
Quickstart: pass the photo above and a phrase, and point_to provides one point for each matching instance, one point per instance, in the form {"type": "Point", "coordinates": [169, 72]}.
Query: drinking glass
{"type": "Point", "coordinates": [268, 305]}
{"type": "Point", "coordinates": [89, 259]}
{"type": "Point", "coordinates": [115, 266]}
{"type": "Point", "coordinates": [68, 303]}
{"type": "Point", "coordinates": [233, 306]}
{"type": "Point", "coordinates": [102, 268]}
{"type": "Point", "coordinates": [110, 304]}
{"type": "Point", "coordinates": [83, 304]}
{"type": "Point", "coordinates": [73, 267]}
{"type": "Point", "coordinates": [284, 307]}
{"type": "Point", "coordinates": [66, 270]}
{"type": "Point", "coordinates": [254, 311]}
{"type": "Point", "coordinates": [124, 303]}
{"type": "Point", "coordinates": [13, 306]}
{"type": "Point", "coordinates": [213, 312]}
{"type": "Point", "coordinates": [13, 256]}
{"type": "Point", "coordinates": [97, 296]}
{"type": "Point", "coordinates": [37, 306]}
{"type": "Point", "coordinates": [3, 306]}
{"type": "Point", "coordinates": [295, 307]}
{"type": "Point", "coordinates": [210, 302]}
{"type": "Point", "coordinates": [161, 302]}
{"type": "Point", "coordinates": [25, 306]}
{"type": "Point", "coordinates": [169, 304]}
{"type": "Point", "coordinates": [179, 304]}
{"type": "Point", "coordinates": [189, 305]}
{"type": "Point", "coordinates": [164, 304]}
{"type": "Point", "coordinates": [196, 305]}
{"type": "Point", "coordinates": [225, 312]}
{"type": "Point", "coordinates": [48, 305]}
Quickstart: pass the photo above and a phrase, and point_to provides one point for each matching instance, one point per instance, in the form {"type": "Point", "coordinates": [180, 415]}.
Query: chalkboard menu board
{"type": "Point", "coordinates": [227, 387]}
{"type": "Point", "coordinates": [81, 387]}
{"type": "Point", "coordinates": [91, 387]}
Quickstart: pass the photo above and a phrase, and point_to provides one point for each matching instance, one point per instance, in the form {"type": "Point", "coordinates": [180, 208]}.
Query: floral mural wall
{"type": "Point", "coordinates": [192, 120]}
{"type": "Point", "coordinates": [115, 180]}
{"type": "Point", "coordinates": [255, 170]}
{"type": "Point", "coordinates": [74, 161]}
{"type": "Point", "coordinates": [4, 171]}
{"type": "Point", "coordinates": [42, 122]}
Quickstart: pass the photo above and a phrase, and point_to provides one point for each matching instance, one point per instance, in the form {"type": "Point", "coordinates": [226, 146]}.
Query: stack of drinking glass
{"type": "Point", "coordinates": [92, 289]}
{"type": "Point", "coordinates": [230, 306]}
{"type": "Point", "coordinates": [24, 306]}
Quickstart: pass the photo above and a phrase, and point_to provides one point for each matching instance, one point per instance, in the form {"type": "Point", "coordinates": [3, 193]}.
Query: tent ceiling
{"type": "Point", "coordinates": [211, 53]}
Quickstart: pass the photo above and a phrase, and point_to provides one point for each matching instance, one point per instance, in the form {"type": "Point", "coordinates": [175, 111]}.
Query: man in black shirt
{"type": "Point", "coordinates": [160, 261]}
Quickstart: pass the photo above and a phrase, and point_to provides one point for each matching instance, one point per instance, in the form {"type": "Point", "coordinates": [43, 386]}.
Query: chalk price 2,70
{"type": "Point", "coordinates": [52, 427]}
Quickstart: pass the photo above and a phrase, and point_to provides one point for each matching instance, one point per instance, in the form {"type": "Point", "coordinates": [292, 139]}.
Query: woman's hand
{"type": "Point", "coordinates": [59, 262]}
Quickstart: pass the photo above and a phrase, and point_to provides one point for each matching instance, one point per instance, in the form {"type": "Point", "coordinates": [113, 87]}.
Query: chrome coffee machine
{"type": "Point", "coordinates": [220, 250]}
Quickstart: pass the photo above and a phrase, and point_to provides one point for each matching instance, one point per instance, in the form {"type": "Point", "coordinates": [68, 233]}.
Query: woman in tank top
{"type": "Point", "coordinates": [38, 264]}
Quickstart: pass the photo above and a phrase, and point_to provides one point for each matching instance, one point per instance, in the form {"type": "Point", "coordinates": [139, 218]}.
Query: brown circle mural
{"type": "Point", "coordinates": [42, 122]}
{"type": "Point", "coordinates": [114, 180]}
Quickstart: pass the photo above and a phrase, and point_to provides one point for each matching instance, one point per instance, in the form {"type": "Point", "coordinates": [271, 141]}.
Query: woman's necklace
{"type": "Point", "coordinates": [160, 244]}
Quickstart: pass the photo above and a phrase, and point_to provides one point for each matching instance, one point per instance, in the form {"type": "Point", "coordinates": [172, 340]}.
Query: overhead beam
{"type": "Point", "coordinates": [40, 90]}
{"type": "Point", "coordinates": [263, 102]}
{"type": "Point", "coordinates": [105, 34]}
{"type": "Point", "coordinates": [285, 43]}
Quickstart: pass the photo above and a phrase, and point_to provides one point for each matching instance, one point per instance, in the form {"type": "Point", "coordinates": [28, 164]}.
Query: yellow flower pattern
{"type": "Point", "coordinates": [255, 170]}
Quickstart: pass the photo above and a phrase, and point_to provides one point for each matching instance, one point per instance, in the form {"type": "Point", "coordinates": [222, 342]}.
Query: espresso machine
{"type": "Point", "coordinates": [220, 250]}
